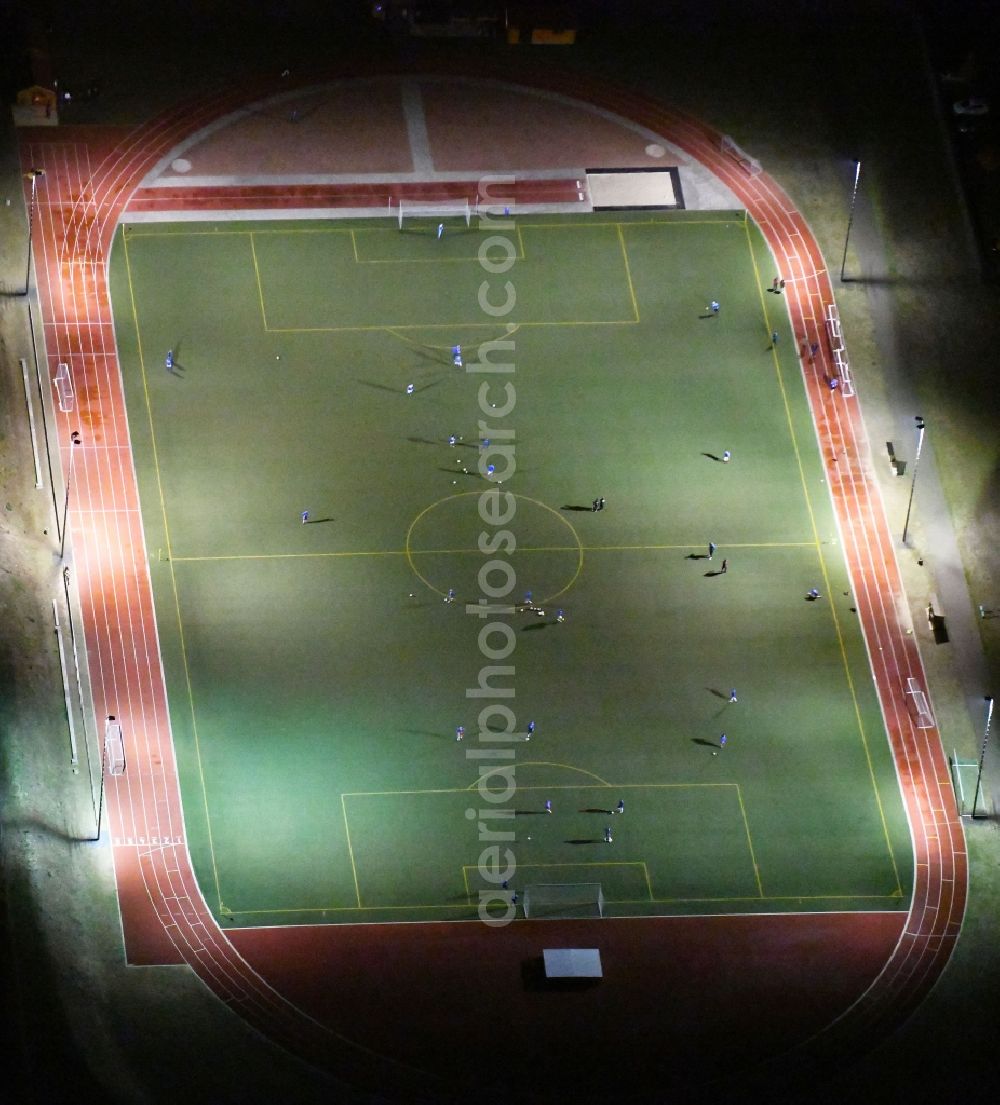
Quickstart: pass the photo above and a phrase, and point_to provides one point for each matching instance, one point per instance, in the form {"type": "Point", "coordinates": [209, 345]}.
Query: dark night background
{"type": "Point", "coordinates": [851, 66]}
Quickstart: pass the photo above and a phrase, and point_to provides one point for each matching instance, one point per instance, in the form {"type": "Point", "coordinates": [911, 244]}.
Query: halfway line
{"type": "Point", "coordinates": [467, 550]}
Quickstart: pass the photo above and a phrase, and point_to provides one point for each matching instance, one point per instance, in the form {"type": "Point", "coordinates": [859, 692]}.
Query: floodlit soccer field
{"type": "Point", "coordinates": [316, 676]}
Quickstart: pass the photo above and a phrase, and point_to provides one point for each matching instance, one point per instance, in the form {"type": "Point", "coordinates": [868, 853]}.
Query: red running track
{"type": "Point", "coordinates": [80, 200]}
{"type": "Point", "coordinates": [263, 197]}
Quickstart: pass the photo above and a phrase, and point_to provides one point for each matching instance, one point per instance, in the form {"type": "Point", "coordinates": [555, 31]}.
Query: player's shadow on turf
{"type": "Point", "coordinates": [589, 509]}
{"type": "Point", "coordinates": [436, 356]}
{"type": "Point", "coordinates": [712, 456]}
{"type": "Point", "coordinates": [537, 625]}
{"type": "Point", "coordinates": [586, 840]}
{"type": "Point", "coordinates": [718, 694]}
{"type": "Point", "coordinates": [383, 387]}
{"type": "Point", "coordinates": [318, 521]}
{"type": "Point", "coordinates": [597, 809]}
{"type": "Point", "coordinates": [707, 744]}
{"type": "Point", "coordinates": [472, 473]}
{"type": "Point", "coordinates": [697, 556]}
{"type": "Point", "coordinates": [396, 390]}
{"type": "Point", "coordinates": [439, 441]}
{"type": "Point", "coordinates": [715, 572]}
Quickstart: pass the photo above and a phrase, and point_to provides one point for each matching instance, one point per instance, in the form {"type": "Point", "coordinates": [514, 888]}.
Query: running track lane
{"type": "Point", "coordinates": [77, 215]}
{"type": "Point", "coordinates": [265, 197]}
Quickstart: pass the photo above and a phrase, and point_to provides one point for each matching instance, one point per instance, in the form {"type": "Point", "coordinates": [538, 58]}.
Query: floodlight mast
{"type": "Point", "coordinates": [850, 219]}
{"type": "Point", "coordinates": [109, 720]}
{"type": "Point", "coordinates": [982, 753]}
{"type": "Point", "coordinates": [921, 426]}
{"type": "Point", "coordinates": [33, 176]}
{"type": "Point", "coordinates": [74, 439]}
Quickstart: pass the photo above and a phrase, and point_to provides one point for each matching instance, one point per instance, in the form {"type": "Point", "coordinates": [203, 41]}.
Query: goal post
{"type": "Point", "coordinates": [554, 901]}
{"type": "Point", "coordinates": [428, 216]}
{"type": "Point", "coordinates": [965, 799]}
{"type": "Point", "coordinates": [114, 747]}
{"type": "Point", "coordinates": [63, 382]}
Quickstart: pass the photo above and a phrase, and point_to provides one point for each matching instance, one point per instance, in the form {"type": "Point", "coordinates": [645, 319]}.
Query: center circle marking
{"type": "Point", "coordinates": [576, 544]}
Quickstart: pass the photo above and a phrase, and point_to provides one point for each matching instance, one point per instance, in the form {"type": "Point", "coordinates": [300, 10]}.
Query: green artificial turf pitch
{"type": "Point", "coordinates": [315, 676]}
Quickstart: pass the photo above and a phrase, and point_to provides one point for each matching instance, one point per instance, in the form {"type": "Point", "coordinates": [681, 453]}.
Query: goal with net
{"type": "Point", "coordinates": [114, 747]}
{"type": "Point", "coordinates": [563, 900]}
{"type": "Point", "coordinates": [430, 216]}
